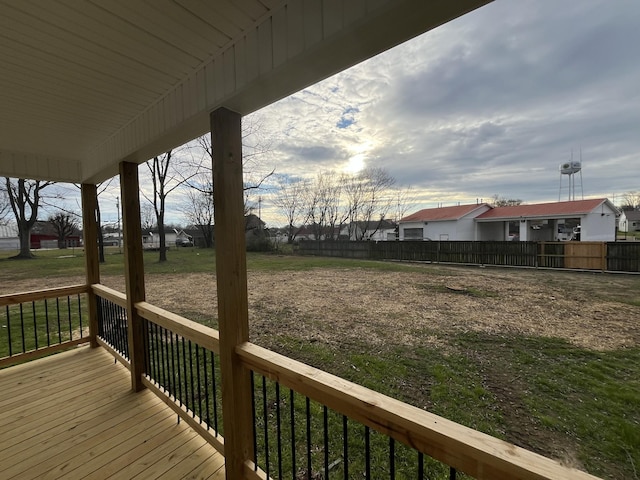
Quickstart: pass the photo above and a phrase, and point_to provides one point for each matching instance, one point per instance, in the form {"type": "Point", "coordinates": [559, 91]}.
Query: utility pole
{"type": "Point", "coordinates": [119, 238]}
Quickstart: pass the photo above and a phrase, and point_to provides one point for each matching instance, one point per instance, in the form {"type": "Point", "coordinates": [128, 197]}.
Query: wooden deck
{"type": "Point", "coordinates": [73, 415]}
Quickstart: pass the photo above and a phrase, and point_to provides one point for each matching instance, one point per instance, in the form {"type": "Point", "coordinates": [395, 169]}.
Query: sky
{"type": "Point", "coordinates": [488, 104]}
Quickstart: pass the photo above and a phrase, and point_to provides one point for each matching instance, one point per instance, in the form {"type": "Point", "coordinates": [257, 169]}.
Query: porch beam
{"type": "Point", "coordinates": [231, 275]}
{"type": "Point", "coordinates": [134, 269]}
{"type": "Point", "coordinates": [90, 227]}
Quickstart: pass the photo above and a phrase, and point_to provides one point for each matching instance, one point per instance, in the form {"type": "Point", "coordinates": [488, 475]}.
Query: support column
{"type": "Point", "coordinates": [133, 268]}
{"type": "Point", "coordinates": [231, 274]}
{"type": "Point", "coordinates": [92, 264]}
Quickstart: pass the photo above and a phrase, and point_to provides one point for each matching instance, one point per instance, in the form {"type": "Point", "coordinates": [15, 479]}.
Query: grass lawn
{"type": "Point", "coordinates": [554, 390]}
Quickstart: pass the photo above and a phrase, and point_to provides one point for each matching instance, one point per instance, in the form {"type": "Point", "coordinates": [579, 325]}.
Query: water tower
{"type": "Point", "coordinates": [570, 170]}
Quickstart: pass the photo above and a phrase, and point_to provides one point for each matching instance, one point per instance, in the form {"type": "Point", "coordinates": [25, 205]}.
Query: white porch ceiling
{"type": "Point", "coordinates": [87, 84]}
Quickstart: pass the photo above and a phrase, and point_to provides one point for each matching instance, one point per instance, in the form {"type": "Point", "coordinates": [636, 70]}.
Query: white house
{"type": "Point", "coordinates": [445, 223]}
{"type": "Point", "coordinates": [594, 219]}
{"type": "Point", "coordinates": [629, 221]}
{"type": "Point", "coordinates": [151, 240]}
{"type": "Point", "coordinates": [9, 237]}
{"type": "Point", "coordinates": [374, 230]}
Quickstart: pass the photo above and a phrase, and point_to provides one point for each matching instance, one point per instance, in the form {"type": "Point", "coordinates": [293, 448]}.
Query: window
{"type": "Point", "coordinates": [413, 233]}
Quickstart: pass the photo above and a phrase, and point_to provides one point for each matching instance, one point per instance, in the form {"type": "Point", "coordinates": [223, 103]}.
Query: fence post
{"type": "Point", "coordinates": [92, 265]}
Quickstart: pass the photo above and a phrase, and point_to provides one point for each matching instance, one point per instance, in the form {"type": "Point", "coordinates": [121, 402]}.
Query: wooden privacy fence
{"type": "Point", "coordinates": [605, 256]}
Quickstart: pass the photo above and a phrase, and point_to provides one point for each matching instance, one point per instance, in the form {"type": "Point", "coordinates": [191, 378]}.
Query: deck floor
{"type": "Point", "coordinates": [73, 415]}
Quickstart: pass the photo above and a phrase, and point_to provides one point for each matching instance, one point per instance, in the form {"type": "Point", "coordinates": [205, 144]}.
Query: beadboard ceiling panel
{"type": "Point", "coordinates": [87, 84]}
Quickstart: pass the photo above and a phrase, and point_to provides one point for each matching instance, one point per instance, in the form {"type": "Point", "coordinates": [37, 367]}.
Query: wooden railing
{"type": "Point", "coordinates": [464, 449]}
{"type": "Point", "coordinates": [181, 370]}
{"type": "Point", "coordinates": [38, 323]}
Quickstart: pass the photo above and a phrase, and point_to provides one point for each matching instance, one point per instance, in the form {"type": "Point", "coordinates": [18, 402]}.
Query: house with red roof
{"type": "Point", "coordinates": [586, 220]}
{"type": "Point", "coordinates": [594, 219]}
{"type": "Point", "coordinates": [445, 223]}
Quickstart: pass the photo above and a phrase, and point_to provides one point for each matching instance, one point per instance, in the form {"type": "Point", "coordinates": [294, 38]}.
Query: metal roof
{"type": "Point", "coordinates": [87, 84]}
{"type": "Point", "coordinates": [444, 213]}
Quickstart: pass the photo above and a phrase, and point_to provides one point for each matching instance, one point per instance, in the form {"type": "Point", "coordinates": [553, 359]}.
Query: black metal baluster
{"type": "Point", "coordinates": [35, 323]}
{"type": "Point", "coordinates": [173, 368]}
{"type": "Point", "coordinates": [169, 385]}
{"type": "Point", "coordinates": [9, 331]}
{"type": "Point", "coordinates": [215, 393]}
{"type": "Point", "coordinates": [345, 439]}
{"type": "Point", "coordinates": [69, 315]}
{"type": "Point", "coordinates": [308, 407]}
{"type": "Point", "coordinates": [178, 369]}
{"type": "Point", "coordinates": [99, 311]}
{"type": "Point", "coordinates": [46, 319]}
{"type": "Point", "coordinates": [367, 452]}
{"type": "Point", "coordinates": [265, 415]}
{"type": "Point", "coordinates": [80, 315]}
{"type": "Point", "coordinates": [452, 473]}
{"type": "Point", "coordinates": [58, 315]}
{"type": "Point", "coordinates": [206, 388]}
{"type": "Point", "coordinates": [158, 347]}
{"type": "Point", "coordinates": [255, 420]}
{"type": "Point", "coordinates": [198, 383]}
{"type": "Point", "coordinates": [193, 398]}
{"type": "Point", "coordinates": [392, 458]}
{"type": "Point", "coordinates": [184, 370]}
{"type": "Point", "coordinates": [325, 428]}
{"type": "Point", "coordinates": [420, 466]}
{"type": "Point", "coordinates": [24, 347]}
{"type": "Point", "coordinates": [163, 364]}
{"type": "Point", "coordinates": [292, 407]}
{"type": "Point", "coordinates": [147, 347]}
{"type": "Point", "coordinates": [279, 430]}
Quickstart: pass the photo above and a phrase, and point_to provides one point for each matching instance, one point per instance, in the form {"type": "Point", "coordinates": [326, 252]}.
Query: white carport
{"type": "Point", "coordinates": [543, 221]}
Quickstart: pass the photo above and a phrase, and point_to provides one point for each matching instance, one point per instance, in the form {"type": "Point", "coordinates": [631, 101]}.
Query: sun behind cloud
{"type": "Point", "coordinates": [355, 164]}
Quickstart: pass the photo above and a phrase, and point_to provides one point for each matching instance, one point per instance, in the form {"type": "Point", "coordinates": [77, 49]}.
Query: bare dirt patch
{"type": "Point", "coordinates": [594, 311]}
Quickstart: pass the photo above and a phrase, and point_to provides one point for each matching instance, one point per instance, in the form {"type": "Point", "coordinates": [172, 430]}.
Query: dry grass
{"type": "Point", "coordinates": [589, 310]}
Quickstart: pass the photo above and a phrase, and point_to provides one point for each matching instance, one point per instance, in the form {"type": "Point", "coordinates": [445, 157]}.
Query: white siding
{"type": "Point", "coordinates": [599, 226]}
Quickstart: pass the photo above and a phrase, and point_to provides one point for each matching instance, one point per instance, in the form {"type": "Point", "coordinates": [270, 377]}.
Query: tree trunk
{"type": "Point", "coordinates": [25, 243]}
{"type": "Point", "coordinates": [163, 239]}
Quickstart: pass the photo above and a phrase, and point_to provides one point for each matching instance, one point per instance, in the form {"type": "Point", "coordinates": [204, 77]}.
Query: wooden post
{"type": "Point", "coordinates": [231, 274]}
{"type": "Point", "coordinates": [92, 265]}
{"type": "Point", "coordinates": [134, 268]}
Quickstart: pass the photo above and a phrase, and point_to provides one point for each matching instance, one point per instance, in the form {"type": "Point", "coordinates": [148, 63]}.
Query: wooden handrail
{"type": "Point", "coordinates": [200, 334]}
{"type": "Point", "coordinates": [110, 294]}
{"type": "Point", "coordinates": [477, 454]}
{"type": "Point", "coordinates": [35, 295]}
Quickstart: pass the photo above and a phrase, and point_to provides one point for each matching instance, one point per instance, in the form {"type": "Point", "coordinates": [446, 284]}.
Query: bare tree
{"type": "Point", "coordinates": [290, 201]}
{"type": "Point", "coordinates": [403, 200]}
{"type": "Point", "coordinates": [5, 206]}
{"type": "Point", "coordinates": [65, 225]}
{"type": "Point", "coordinates": [323, 206]}
{"type": "Point", "coordinates": [368, 201]}
{"type": "Point", "coordinates": [631, 200]}
{"type": "Point", "coordinates": [500, 201]}
{"type": "Point", "coordinates": [165, 178]}
{"type": "Point", "coordinates": [147, 216]}
{"type": "Point", "coordinates": [199, 207]}
{"type": "Point", "coordinates": [255, 147]}
{"type": "Point", "coordinates": [24, 198]}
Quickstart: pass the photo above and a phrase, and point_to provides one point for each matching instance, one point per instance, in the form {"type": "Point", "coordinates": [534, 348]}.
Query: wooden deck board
{"type": "Point", "coordinates": [73, 415]}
